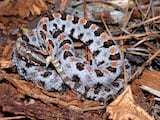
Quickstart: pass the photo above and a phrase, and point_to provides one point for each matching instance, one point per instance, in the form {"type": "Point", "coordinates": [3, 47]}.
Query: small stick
{"type": "Point", "coordinates": [125, 37]}
{"type": "Point", "coordinates": [145, 64]}
{"type": "Point", "coordinates": [142, 23]}
{"type": "Point", "coordinates": [86, 17]}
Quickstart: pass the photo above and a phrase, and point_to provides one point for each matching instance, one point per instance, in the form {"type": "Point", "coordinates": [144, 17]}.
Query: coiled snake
{"type": "Point", "coordinates": [46, 54]}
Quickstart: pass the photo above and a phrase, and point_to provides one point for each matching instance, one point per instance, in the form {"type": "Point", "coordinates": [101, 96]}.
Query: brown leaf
{"type": "Point", "coordinates": [150, 79]}
{"type": "Point", "coordinates": [22, 8]}
{"type": "Point", "coordinates": [125, 108]}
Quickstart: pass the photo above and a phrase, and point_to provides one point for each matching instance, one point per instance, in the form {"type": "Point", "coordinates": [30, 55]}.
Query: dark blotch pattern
{"type": "Point", "coordinates": [115, 84]}
{"type": "Point", "coordinates": [51, 42]}
{"type": "Point", "coordinates": [67, 54]}
{"type": "Point", "coordinates": [43, 35]}
{"type": "Point", "coordinates": [50, 16]}
{"type": "Point", "coordinates": [75, 20]}
{"type": "Point", "coordinates": [86, 90]}
{"type": "Point", "coordinates": [64, 87]}
{"type": "Point", "coordinates": [101, 99]}
{"type": "Point", "coordinates": [108, 43]}
{"type": "Point", "coordinates": [42, 83]}
{"type": "Point", "coordinates": [45, 27]}
{"type": "Point", "coordinates": [120, 91]}
{"type": "Point", "coordinates": [89, 42]}
{"type": "Point", "coordinates": [88, 24]}
{"type": "Point", "coordinates": [80, 36]}
{"type": "Point", "coordinates": [114, 57]}
{"type": "Point", "coordinates": [75, 78]}
{"type": "Point", "coordinates": [72, 31]}
{"type": "Point", "coordinates": [65, 42]}
{"type": "Point", "coordinates": [111, 69]}
{"type": "Point", "coordinates": [63, 28]}
{"type": "Point", "coordinates": [46, 74]}
{"type": "Point", "coordinates": [99, 73]}
{"type": "Point", "coordinates": [107, 89]}
{"type": "Point", "coordinates": [95, 53]}
{"type": "Point", "coordinates": [53, 89]}
{"type": "Point", "coordinates": [127, 66]}
{"type": "Point", "coordinates": [98, 32]}
{"type": "Point", "coordinates": [98, 85]}
{"type": "Point", "coordinates": [80, 66]}
{"type": "Point", "coordinates": [25, 38]}
{"type": "Point", "coordinates": [63, 16]}
{"type": "Point", "coordinates": [96, 91]}
{"type": "Point", "coordinates": [24, 71]}
{"type": "Point", "coordinates": [77, 85]}
{"type": "Point", "coordinates": [28, 65]}
{"type": "Point", "coordinates": [57, 33]}
{"type": "Point", "coordinates": [100, 63]}
{"type": "Point", "coordinates": [55, 25]}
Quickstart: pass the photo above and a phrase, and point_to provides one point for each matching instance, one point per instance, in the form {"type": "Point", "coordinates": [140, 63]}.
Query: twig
{"type": "Point", "coordinates": [144, 22]}
{"type": "Point", "coordinates": [85, 10]}
{"type": "Point", "coordinates": [106, 27]}
{"type": "Point", "coordinates": [151, 90]}
{"type": "Point", "coordinates": [94, 108]}
{"type": "Point", "coordinates": [86, 17]}
{"type": "Point", "coordinates": [12, 118]}
{"type": "Point", "coordinates": [145, 64]}
{"type": "Point", "coordinates": [134, 36]}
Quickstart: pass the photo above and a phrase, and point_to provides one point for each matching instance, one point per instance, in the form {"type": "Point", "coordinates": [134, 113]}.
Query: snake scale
{"type": "Point", "coordinates": [47, 55]}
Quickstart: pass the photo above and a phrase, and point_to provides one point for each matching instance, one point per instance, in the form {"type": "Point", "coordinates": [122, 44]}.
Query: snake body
{"type": "Point", "coordinates": [51, 43]}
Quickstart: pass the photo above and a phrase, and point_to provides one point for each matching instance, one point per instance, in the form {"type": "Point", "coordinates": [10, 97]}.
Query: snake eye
{"type": "Point", "coordinates": [25, 38]}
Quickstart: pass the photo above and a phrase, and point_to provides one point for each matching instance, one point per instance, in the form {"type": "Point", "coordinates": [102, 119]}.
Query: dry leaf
{"type": "Point", "coordinates": [125, 108]}
{"type": "Point", "coordinates": [150, 79]}
{"type": "Point", "coordinates": [22, 8]}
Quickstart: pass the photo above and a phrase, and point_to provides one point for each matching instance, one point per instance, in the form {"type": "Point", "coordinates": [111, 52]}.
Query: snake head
{"type": "Point", "coordinates": [29, 53]}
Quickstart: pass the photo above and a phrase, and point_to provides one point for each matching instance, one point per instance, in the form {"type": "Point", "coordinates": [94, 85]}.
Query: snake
{"type": "Point", "coordinates": [46, 55]}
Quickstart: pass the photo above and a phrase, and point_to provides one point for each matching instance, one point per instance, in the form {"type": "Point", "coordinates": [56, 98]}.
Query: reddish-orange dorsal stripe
{"type": "Point", "coordinates": [70, 17]}
{"type": "Point", "coordinates": [61, 37]}
{"type": "Point", "coordinates": [56, 15]}
{"type": "Point", "coordinates": [82, 21]}
{"type": "Point", "coordinates": [112, 49]}
{"type": "Point", "coordinates": [65, 47]}
{"type": "Point", "coordinates": [90, 69]}
{"type": "Point", "coordinates": [44, 22]}
{"type": "Point", "coordinates": [73, 59]}
{"type": "Point", "coordinates": [114, 64]}
{"type": "Point", "coordinates": [94, 27]}
{"type": "Point", "coordinates": [104, 36]}
{"type": "Point", "coordinates": [105, 71]}
{"type": "Point", "coordinates": [91, 89]}
{"type": "Point", "coordinates": [39, 69]}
